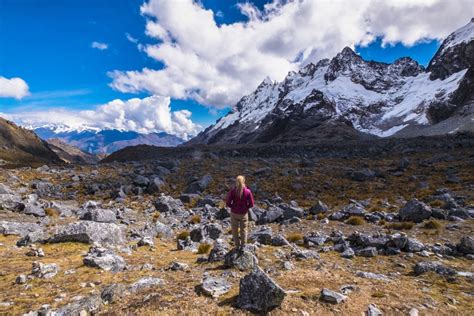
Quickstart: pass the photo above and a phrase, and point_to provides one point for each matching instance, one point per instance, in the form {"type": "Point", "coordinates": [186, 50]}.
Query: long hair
{"type": "Point", "coordinates": [240, 185]}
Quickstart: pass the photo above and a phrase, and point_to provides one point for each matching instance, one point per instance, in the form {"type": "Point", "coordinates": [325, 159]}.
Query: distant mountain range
{"type": "Point", "coordinates": [106, 141]}
{"type": "Point", "coordinates": [348, 97]}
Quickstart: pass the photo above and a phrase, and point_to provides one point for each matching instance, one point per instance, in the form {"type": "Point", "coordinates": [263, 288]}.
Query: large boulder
{"type": "Point", "coordinates": [332, 297]}
{"type": "Point", "coordinates": [17, 228]}
{"type": "Point", "coordinates": [166, 203]}
{"type": "Point", "coordinates": [89, 232]}
{"type": "Point", "coordinates": [259, 293]}
{"type": "Point", "coordinates": [466, 245]}
{"type": "Point", "coordinates": [89, 305]}
{"type": "Point", "coordinates": [214, 286]}
{"type": "Point", "coordinates": [44, 271]}
{"type": "Point", "coordinates": [146, 283]}
{"type": "Point", "coordinates": [432, 266]}
{"type": "Point", "coordinates": [271, 215]}
{"type": "Point", "coordinates": [262, 234]}
{"type": "Point", "coordinates": [100, 215]}
{"type": "Point", "coordinates": [415, 211]}
{"type": "Point", "coordinates": [105, 259]}
{"type": "Point", "coordinates": [241, 259]}
{"type": "Point", "coordinates": [200, 185]}
{"type": "Point", "coordinates": [318, 208]}
{"type": "Point", "coordinates": [219, 251]}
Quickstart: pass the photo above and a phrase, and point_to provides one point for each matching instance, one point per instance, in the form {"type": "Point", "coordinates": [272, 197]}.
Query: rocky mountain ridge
{"type": "Point", "coordinates": [348, 97]}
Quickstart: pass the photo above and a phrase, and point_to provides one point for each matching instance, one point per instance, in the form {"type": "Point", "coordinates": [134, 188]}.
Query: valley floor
{"type": "Point", "coordinates": [381, 185]}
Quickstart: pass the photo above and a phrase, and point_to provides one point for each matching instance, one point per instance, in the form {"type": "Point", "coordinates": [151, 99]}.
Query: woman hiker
{"type": "Point", "coordinates": [240, 200]}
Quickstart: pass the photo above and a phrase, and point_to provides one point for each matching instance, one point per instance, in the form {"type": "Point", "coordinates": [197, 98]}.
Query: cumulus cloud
{"type": "Point", "coordinates": [99, 45]}
{"type": "Point", "coordinates": [151, 114]}
{"type": "Point", "coordinates": [217, 64]}
{"type": "Point", "coordinates": [13, 88]}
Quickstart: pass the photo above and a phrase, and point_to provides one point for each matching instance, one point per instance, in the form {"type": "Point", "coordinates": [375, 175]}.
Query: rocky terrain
{"type": "Point", "coordinates": [71, 154]}
{"type": "Point", "coordinates": [347, 97]}
{"type": "Point", "coordinates": [375, 227]}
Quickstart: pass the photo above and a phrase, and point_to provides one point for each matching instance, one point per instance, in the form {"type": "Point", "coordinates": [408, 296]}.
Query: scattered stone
{"type": "Point", "coordinates": [199, 185]}
{"type": "Point", "coordinates": [218, 252]}
{"type": "Point", "coordinates": [113, 293]}
{"type": "Point", "coordinates": [178, 266]}
{"type": "Point", "coordinates": [166, 203]}
{"type": "Point", "coordinates": [100, 215]}
{"type": "Point", "coordinates": [214, 286]}
{"type": "Point", "coordinates": [367, 252]}
{"type": "Point", "coordinates": [146, 241]}
{"type": "Point", "coordinates": [432, 266]}
{"type": "Point", "coordinates": [371, 275]}
{"type": "Point", "coordinates": [44, 271]}
{"type": "Point", "coordinates": [415, 211]}
{"type": "Point", "coordinates": [241, 259]}
{"type": "Point", "coordinates": [146, 283]}
{"type": "Point", "coordinates": [89, 232]}
{"type": "Point", "coordinates": [318, 208]}
{"type": "Point", "coordinates": [466, 245]}
{"type": "Point", "coordinates": [262, 235]}
{"type": "Point", "coordinates": [21, 279]}
{"type": "Point", "coordinates": [373, 310]}
{"type": "Point", "coordinates": [332, 297]}
{"type": "Point", "coordinates": [259, 293]}
{"type": "Point", "coordinates": [104, 259]}
{"type": "Point", "coordinates": [348, 253]}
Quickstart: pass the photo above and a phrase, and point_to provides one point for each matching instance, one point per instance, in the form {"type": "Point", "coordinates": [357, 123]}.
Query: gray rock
{"type": "Point", "coordinates": [466, 245]}
{"type": "Point", "coordinates": [459, 212]}
{"type": "Point", "coordinates": [415, 211]}
{"type": "Point", "coordinates": [259, 293]}
{"type": "Point", "coordinates": [337, 216]}
{"type": "Point", "coordinates": [100, 215]}
{"type": "Point", "coordinates": [87, 306]}
{"type": "Point", "coordinates": [178, 266]}
{"type": "Point", "coordinates": [414, 245]}
{"type": "Point", "coordinates": [213, 230]}
{"type": "Point", "coordinates": [354, 209]}
{"type": "Point", "coordinates": [373, 310]}
{"type": "Point", "coordinates": [348, 253]}
{"type": "Point", "coordinates": [214, 286]}
{"type": "Point", "coordinates": [146, 283]}
{"type": "Point", "coordinates": [188, 197]}
{"type": "Point", "coordinates": [156, 185]}
{"type": "Point", "coordinates": [34, 209]}
{"type": "Point", "coordinates": [318, 208]}
{"type": "Point", "coordinates": [367, 252]}
{"type": "Point", "coordinates": [241, 259]}
{"type": "Point", "coordinates": [315, 239]}
{"type": "Point", "coordinates": [218, 252]}
{"type": "Point", "coordinates": [279, 240]}
{"type": "Point", "coordinates": [44, 271]}
{"type": "Point", "coordinates": [290, 211]}
{"type": "Point", "coordinates": [432, 266]}
{"type": "Point", "coordinates": [146, 241]}
{"type": "Point", "coordinates": [332, 297]}
{"type": "Point", "coordinates": [371, 275]}
{"type": "Point", "coordinates": [271, 215]}
{"type": "Point", "coordinates": [163, 231]}
{"type": "Point", "coordinates": [89, 232]}
{"type": "Point", "coordinates": [31, 238]}
{"type": "Point", "coordinates": [21, 279]}
{"type": "Point", "coordinates": [301, 254]}
{"type": "Point", "coordinates": [104, 259]}
{"type": "Point", "coordinates": [197, 234]}
{"type": "Point", "coordinates": [166, 203]}
{"type": "Point", "coordinates": [262, 234]}
{"type": "Point", "coordinates": [113, 293]}
{"type": "Point", "coordinates": [199, 185]}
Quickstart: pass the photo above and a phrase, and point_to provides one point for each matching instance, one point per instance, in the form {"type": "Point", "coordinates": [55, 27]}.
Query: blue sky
{"type": "Point", "coordinates": [49, 45]}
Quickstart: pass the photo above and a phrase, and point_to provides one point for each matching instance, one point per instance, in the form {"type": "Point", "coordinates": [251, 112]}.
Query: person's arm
{"type": "Point", "coordinates": [229, 199]}
{"type": "Point", "coordinates": [251, 202]}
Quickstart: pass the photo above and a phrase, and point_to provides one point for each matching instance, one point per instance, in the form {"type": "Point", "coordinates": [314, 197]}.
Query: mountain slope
{"type": "Point", "coordinates": [71, 154]}
{"type": "Point", "coordinates": [348, 97]}
{"type": "Point", "coordinates": [107, 141]}
{"type": "Point", "coordinates": [20, 146]}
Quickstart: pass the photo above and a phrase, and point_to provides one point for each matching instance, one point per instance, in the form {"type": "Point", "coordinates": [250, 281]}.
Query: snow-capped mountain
{"type": "Point", "coordinates": [96, 141]}
{"type": "Point", "coordinates": [349, 97]}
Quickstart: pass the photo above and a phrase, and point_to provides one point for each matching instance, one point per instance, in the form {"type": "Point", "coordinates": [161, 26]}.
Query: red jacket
{"type": "Point", "coordinates": [237, 204]}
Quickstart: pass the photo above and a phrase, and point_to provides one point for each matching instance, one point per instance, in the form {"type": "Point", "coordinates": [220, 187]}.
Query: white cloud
{"type": "Point", "coordinates": [131, 39]}
{"type": "Point", "coordinates": [13, 88]}
{"type": "Point", "coordinates": [99, 45]}
{"type": "Point", "coordinates": [216, 65]}
{"type": "Point", "coordinates": [151, 114]}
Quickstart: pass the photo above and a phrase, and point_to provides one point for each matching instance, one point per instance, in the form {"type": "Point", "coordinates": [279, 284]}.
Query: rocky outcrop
{"type": "Point", "coordinates": [89, 232]}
